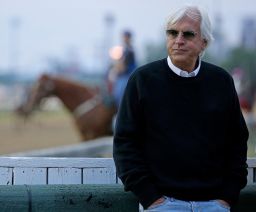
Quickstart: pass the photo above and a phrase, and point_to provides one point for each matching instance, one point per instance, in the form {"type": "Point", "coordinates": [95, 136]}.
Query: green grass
{"type": "Point", "coordinates": [40, 114]}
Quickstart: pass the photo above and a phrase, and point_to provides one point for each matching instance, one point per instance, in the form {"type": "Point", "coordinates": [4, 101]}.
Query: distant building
{"type": "Point", "coordinates": [248, 38]}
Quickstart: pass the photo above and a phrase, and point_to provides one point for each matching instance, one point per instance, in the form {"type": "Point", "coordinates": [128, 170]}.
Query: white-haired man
{"type": "Point", "coordinates": [180, 142]}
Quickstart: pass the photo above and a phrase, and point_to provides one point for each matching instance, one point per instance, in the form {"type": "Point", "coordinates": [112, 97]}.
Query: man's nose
{"type": "Point", "coordinates": [179, 39]}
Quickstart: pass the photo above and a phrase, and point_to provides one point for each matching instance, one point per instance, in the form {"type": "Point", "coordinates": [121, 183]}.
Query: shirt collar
{"type": "Point", "coordinates": [180, 72]}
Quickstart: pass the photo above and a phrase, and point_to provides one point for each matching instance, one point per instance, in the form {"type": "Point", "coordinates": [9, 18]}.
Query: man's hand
{"type": "Point", "coordinates": [223, 202]}
{"type": "Point", "coordinates": [158, 201]}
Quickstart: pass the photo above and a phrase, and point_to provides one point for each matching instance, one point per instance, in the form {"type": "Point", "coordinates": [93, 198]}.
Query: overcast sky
{"type": "Point", "coordinates": [60, 28]}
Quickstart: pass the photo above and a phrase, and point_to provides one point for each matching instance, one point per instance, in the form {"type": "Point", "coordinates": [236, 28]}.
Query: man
{"type": "Point", "coordinates": [122, 69]}
{"type": "Point", "coordinates": [180, 142]}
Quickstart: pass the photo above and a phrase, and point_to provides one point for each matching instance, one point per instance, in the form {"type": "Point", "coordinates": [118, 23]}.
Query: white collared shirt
{"type": "Point", "coordinates": [181, 72]}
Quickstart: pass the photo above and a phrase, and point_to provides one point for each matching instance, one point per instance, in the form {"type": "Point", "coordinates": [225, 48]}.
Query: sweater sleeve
{"type": "Point", "coordinates": [236, 178]}
{"type": "Point", "coordinates": [127, 150]}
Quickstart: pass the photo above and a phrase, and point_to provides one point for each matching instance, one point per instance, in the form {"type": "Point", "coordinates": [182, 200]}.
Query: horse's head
{"type": "Point", "coordinates": [44, 87]}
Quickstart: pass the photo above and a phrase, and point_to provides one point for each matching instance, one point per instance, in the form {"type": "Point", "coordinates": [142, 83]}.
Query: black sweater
{"type": "Point", "coordinates": [181, 137]}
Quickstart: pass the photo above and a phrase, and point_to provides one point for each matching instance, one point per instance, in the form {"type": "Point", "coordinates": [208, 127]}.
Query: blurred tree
{"type": "Point", "coordinates": [241, 64]}
{"type": "Point", "coordinates": [244, 59]}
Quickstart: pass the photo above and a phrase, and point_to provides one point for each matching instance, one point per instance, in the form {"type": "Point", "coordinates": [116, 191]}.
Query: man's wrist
{"type": "Point", "coordinates": [223, 202]}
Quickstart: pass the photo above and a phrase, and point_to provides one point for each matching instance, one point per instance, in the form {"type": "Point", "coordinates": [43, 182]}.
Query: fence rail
{"type": "Point", "coordinates": [48, 170]}
{"type": "Point", "coordinates": [38, 170]}
{"type": "Point", "coordinates": [251, 170]}
{"type": "Point", "coordinates": [50, 179]}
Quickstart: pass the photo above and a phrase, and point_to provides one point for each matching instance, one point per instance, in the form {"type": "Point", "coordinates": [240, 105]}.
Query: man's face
{"type": "Point", "coordinates": [126, 39]}
{"type": "Point", "coordinates": [184, 43]}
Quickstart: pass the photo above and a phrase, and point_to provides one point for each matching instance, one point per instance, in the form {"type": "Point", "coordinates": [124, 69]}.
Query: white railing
{"type": "Point", "coordinates": [38, 170]}
{"type": "Point", "coordinates": [48, 170]}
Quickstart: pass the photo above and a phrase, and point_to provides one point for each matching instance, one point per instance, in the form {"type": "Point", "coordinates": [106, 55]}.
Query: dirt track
{"type": "Point", "coordinates": [43, 130]}
{"type": "Point", "coordinates": [51, 129]}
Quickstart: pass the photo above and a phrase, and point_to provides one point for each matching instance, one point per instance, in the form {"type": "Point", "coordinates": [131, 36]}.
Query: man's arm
{"type": "Point", "coordinates": [237, 166]}
{"type": "Point", "coordinates": [128, 147]}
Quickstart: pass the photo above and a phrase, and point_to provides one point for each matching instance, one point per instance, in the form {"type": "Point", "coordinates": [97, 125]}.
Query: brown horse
{"type": "Point", "coordinates": [91, 115]}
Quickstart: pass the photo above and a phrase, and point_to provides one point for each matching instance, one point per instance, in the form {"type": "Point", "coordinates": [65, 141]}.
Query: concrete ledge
{"type": "Point", "coordinates": [100, 147]}
{"type": "Point", "coordinates": [62, 198]}
{"type": "Point", "coordinates": [89, 198]}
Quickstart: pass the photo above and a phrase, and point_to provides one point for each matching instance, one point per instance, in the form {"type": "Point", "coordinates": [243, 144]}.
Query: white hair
{"type": "Point", "coordinates": [197, 14]}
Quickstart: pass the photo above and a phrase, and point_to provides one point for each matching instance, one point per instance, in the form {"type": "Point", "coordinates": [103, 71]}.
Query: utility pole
{"type": "Point", "coordinates": [14, 26]}
{"type": "Point", "coordinates": [108, 37]}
